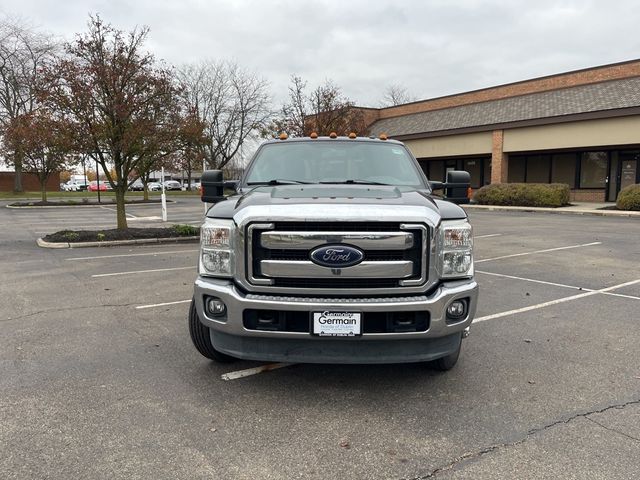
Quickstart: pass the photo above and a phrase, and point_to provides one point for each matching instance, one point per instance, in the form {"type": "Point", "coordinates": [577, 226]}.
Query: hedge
{"type": "Point", "coordinates": [629, 198]}
{"type": "Point", "coordinates": [524, 194]}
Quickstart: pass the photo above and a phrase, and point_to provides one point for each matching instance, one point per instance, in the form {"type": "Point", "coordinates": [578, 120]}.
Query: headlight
{"type": "Point", "coordinates": [455, 249]}
{"type": "Point", "coordinates": [216, 248]}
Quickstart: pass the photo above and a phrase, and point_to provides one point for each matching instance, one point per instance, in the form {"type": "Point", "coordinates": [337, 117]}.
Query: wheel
{"type": "Point", "coordinates": [201, 338]}
{"type": "Point", "coordinates": [447, 363]}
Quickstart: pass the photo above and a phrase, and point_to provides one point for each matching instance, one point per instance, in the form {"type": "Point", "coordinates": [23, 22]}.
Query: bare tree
{"type": "Point", "coordinates": [123, 106]}
{"type": "Point", "coordinates": [396, 94]}
{"type": "Point", "coordinates": [23, 53]}
{"type": "Point", "coordinates": [326, 109]}
{"type": "Point", "coordinates": [231, 103]}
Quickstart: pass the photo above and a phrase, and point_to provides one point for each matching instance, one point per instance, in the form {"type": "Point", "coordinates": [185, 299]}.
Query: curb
{"type": "Point", "coordinates": [114, 243]}
{"type": "Point", "coordinates": [600, 213]}
{"type": "Point", "coordinates": [84, 205]}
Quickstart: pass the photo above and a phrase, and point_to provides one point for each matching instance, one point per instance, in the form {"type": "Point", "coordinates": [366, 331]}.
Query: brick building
{"type": "Point", "coordinates": [30, 182]}
{"type": "Point", "coordinates": [581, 128]}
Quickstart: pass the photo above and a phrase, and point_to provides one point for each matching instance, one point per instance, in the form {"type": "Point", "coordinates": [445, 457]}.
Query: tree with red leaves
{"type": "Point", "coordinates": [121, 103]}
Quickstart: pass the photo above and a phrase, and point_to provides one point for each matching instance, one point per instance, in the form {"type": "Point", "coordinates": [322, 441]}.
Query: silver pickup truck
{"type": "Point", "coordinates": [334, 250]}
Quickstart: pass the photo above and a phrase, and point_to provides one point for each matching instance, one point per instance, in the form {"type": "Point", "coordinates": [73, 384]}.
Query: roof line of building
{"type": "Point", "coordinates": [401, 109]}
{"type": "Point", "coordinates": [573, 117]}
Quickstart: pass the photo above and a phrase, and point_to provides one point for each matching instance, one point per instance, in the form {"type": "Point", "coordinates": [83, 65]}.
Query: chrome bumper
{"type": "Point", "coordinates": [237, 301]}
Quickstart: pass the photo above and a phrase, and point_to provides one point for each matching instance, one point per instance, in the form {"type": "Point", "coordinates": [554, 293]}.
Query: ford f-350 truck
{"type": "Point", "coordinates": [334, 250]}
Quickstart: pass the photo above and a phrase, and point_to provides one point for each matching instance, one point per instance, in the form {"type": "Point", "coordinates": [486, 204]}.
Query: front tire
{"type": "Point", "coordinates": [201, 338]}
{"type": "Point", "coordinates": [448, 362]}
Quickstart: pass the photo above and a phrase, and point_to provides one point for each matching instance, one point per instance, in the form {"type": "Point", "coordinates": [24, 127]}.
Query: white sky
{"type": "Point", "coordinates": [432, 47]}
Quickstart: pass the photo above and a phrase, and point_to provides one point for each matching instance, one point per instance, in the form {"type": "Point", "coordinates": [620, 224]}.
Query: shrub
{"type": "Point", "coordinates": [70, 236]}
{"type": "Point", "coordinates": [629, 198]}
{"type": "Point", "coordinates": [101, 236]}
{"type": "Point", "coordinates": [524, 194]}
{"type": "Point", "coordinates": [186, 230]}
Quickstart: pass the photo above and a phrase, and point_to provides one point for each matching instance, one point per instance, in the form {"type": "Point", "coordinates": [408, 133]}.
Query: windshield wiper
{"type": "Point", "coordinates": [280, 181]}
{"type": "Point", "coordinates": [355, 182]}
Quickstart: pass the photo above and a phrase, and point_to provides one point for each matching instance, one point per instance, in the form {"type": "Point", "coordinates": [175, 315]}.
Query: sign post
{"type": "Point", "coordinates": [163, 199]}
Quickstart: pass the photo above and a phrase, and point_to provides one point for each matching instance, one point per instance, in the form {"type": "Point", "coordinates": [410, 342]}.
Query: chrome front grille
{"type": "Point", "coordinates": [395, 254]}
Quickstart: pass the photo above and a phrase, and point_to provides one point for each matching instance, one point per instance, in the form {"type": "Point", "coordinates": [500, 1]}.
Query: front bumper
{"type": "Point", "coordinates": [231, 337]}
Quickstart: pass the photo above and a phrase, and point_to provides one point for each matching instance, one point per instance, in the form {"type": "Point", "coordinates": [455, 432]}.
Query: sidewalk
{"type": "Point", "coordinates": [576, 208]}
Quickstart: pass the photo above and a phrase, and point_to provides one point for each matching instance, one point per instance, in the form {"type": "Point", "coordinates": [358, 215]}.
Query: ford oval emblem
{"type": "Point", "coordinates": [337, 256]}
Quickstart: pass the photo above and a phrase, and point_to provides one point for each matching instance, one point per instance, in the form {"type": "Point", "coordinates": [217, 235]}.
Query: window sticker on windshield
{"type": "Point", "coordinates": [397, 151]}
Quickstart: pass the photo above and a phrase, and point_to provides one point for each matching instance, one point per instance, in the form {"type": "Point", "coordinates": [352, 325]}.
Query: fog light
{"type": "Point", "coordinates": [216, 307]}
{"type": "Point", "coordinates": [456, 309]}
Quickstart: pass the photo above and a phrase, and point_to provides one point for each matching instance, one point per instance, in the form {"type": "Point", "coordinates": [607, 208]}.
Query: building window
{"type": "Point", "coordinates": [593, 170]}
{"type": "Point", "coordinates": [538, 169]}
{"type": "Point", "coordinates": [474, 167]}
{"type": "Point", "coordinates": [436, 170]}
{"type": "Point", "coordinates": [563, 168]}
{"type": "Point", "coordinates": [516, 169]}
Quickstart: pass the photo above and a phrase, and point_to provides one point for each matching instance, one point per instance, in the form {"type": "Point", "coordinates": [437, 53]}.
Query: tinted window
{"type": "Point", "coordinates": [337, 161]}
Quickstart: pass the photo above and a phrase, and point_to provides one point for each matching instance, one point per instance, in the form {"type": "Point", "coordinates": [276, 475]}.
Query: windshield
{"type": "Point", "coordinates": [334, 162]}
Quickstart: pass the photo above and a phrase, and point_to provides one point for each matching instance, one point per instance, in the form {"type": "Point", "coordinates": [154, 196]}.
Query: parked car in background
{"type": "Point", "coordinates": [137, 186]}
{"type": "Point", "coordinates": [172, 185]}
{"type": "Point", "coordinates": [74, 186]}
{"type": "Point", "coordinates": [154, 186]}
{"type": "Point", "coordinates": [93, 186]}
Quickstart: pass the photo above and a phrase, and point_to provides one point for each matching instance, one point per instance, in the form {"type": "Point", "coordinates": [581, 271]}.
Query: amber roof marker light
{"type": "Point", "coordinates": [313, 135]}
{"type": "Point", "coordinates": [333, 135]}
{"type": "Point", "coordinates": [283, 136]}
{"type": "Point", "coordinates": [383, 136]}
{"type": "Point", "coordinates": [352, 135]}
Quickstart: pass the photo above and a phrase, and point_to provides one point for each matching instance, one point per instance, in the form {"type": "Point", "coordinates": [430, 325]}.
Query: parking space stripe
{"type": "Point", "coordinates": [142, 307]}
{"type": "Point", "coordinates": [533, 280]}
{"type": "Point", "coordinates": [97, 257]}
{"type": "Point", "coordinates": [554, 302]}
{"type": "Point", "coordinates": [488, 236]}
{"type": "Point", "coordinates": [539, 251]}
{"type": "Point", "coordinates": [253, 371]}
{"type": "Point", "coordinates": [134, 272]}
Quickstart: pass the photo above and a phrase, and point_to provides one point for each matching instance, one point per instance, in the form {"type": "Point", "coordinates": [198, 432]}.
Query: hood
{"type": "Point", "coordinates": [335, 202]}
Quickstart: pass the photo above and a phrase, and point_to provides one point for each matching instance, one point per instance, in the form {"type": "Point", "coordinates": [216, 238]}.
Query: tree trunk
{"type": "Point", "coordinates": [189, 179]}
{"type": "Point", "coordinates": [120, 207]}
{"type": "Point", "coordinates": [145, 191]}
{"type": "Point", "coordinates": [43, 189]}
{"type": "Point", "coordinates": [17, 179]}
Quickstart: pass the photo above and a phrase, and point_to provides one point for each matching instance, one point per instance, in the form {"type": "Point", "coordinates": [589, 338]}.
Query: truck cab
{"type": "Point", "coordinates": [334, 250]}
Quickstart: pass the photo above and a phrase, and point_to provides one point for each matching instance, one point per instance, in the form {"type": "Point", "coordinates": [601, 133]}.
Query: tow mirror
{"type": "Point", "coordinates": [456, 188]}
{"type": "Point", "coordinates": [212, 186]}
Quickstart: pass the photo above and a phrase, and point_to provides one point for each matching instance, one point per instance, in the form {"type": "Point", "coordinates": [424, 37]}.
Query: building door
{"type": "Point", "coordinates": [628, 170]}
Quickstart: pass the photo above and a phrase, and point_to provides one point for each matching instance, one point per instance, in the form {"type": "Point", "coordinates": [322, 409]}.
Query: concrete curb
{"type": "Point", "coordinates": [85, 205]}
{"type": "Point", "coordinates": [560, 210]}
{"type": "Point", "coordinates": [114, 243]}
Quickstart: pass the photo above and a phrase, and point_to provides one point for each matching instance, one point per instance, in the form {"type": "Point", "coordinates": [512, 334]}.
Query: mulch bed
{"type": "Point", "coordinates": [74, 236]}
{"type": "Point", "coordinates": [75, 203]}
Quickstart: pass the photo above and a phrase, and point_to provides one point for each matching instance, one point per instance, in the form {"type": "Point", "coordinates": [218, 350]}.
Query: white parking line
{"type": "Point", "coordinates": [532, 280]}
{"type": "Point", "coordinates": [488, 236]}
{"type": "Point", "coordinates": [133, 272]}
{"type": "Point", "coordinates": [554, 302]}
{"type": "Point", "coordinates": [142, 307]}
{"type": "Point", "coordinates": [539, 251]}
{"type": "Point", "coordinates": [253, 371]}
{"type": "Point", "coordinates": [132, 255]}
{"type": "Point", "coordinates": [114, 210]}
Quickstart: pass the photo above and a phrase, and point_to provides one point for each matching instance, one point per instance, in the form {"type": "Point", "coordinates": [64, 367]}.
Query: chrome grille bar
{"type": "Point", "coordinates": [307, 269]}
{"type": "Point", "coordinates": [308, 240]}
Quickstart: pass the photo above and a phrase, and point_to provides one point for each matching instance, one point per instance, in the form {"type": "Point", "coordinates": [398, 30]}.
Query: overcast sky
{"type": "Point", "coordinates": [432, 47]}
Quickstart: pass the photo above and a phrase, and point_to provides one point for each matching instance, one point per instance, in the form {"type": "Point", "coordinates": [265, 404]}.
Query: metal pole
{"type": "Point", "coordinates": [163, 199]}
{"type": "Point", "coordinates": [84, 171]}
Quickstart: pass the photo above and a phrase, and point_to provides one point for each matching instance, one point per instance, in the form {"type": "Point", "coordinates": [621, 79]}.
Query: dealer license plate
{"type": "Point", "coordinates": [336, 324]}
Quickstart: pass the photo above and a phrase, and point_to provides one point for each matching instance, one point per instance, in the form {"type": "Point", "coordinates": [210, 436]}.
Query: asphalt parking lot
{"type": "Point", "coordinates": [99, 378]}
